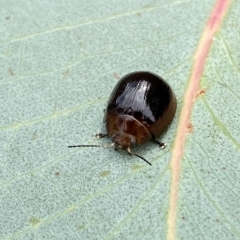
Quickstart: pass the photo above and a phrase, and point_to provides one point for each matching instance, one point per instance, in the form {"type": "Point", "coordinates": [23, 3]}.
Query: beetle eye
{"type": "Point", "coordinates": [132, 142]}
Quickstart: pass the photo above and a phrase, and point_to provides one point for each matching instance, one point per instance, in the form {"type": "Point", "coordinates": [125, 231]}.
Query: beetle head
{"type": "Point", "coordinates": [123, 141]}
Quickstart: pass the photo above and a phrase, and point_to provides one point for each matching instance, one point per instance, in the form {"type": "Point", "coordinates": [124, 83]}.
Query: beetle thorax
{"type": "Point", "coordinates": [125, 130]}
{"type": "Point", "coordinates": [123, 141]}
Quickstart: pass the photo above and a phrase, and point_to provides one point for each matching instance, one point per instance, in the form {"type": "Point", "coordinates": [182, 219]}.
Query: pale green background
{"type": "Point", "coordinates": [59, 61]}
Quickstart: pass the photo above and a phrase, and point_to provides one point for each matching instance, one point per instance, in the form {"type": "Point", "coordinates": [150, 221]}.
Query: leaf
{"type": "Point", "coordinates": [59, 63]}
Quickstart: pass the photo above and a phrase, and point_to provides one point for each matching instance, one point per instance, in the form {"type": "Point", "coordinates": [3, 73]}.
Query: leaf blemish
{"type": "Point", "coordinates": [201, 92]}
{"type": "Point", "coordinates": [34, 221]}
{"type": "Point", "coordinates": [105, 173]}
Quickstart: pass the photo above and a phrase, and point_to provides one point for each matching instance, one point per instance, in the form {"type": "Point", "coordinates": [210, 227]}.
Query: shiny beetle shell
{"type": "Point", "coordinates": [140, 108]}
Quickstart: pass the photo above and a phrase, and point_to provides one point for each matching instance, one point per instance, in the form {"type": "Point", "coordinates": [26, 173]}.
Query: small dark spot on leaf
{"type": "Point", "coordinates": [57, 173]}
{"type": "Point", "coordinates": [104, 173]}
{"type": "Point", "coordinates": [190, 127]}
{"type": "Point", "coordinates": [80, 227]}
{"type": "Point", "coordinates": [200, 93]}
{"type": "Point", "coordinates": [10, 71]}
{"type": "Point", "coordinates": [7, 18]}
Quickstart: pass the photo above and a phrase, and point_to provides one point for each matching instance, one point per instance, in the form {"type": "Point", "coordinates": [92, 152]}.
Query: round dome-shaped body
{"type": "Point", "coordinates": [140, 107]}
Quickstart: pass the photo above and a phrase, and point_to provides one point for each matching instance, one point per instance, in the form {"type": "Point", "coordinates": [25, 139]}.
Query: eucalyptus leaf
{"type": "Point", "coordinates": [59, 62]}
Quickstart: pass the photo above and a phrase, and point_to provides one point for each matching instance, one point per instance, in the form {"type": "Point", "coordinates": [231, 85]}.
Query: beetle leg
{"type": "Point", "coordinates": [101, 135]}
{"type": "Point", "coordinates": [160, 144]}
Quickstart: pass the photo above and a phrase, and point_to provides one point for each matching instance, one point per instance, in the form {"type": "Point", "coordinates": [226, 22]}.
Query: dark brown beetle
{"type": "Point", "coordinates": [140, 108]}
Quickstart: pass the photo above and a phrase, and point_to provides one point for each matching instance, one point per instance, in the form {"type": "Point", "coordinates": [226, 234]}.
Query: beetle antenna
{"type": "Point", "coordinates": [108, 145]}
{"type": "Point", "coordinates": [131, 153]}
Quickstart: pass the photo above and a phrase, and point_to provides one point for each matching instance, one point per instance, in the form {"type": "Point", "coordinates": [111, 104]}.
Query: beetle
{"type": "Point", "coordinates": [140, 108]}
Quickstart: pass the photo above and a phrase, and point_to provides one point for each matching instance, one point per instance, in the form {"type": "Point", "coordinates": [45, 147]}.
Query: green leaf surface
{"type": "Point", "coordinates": [59, 61]}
